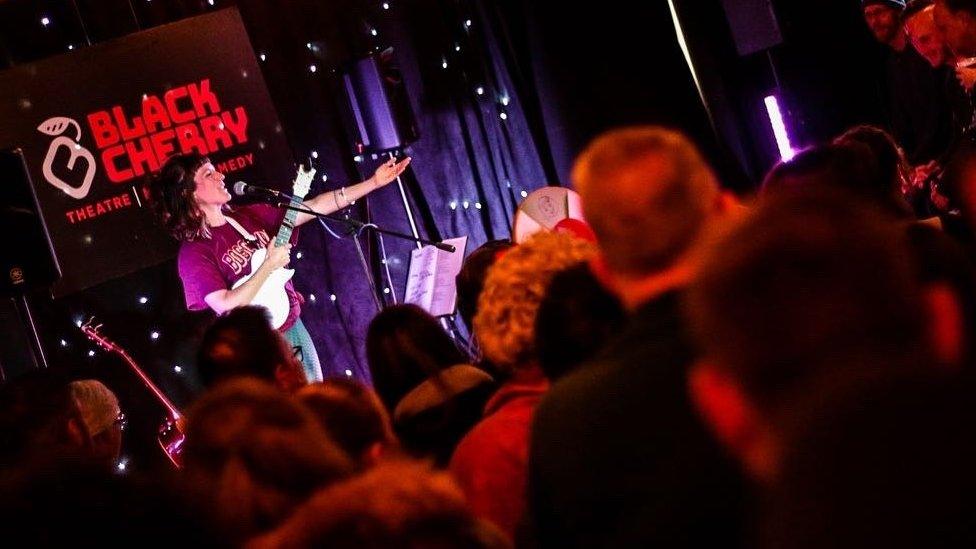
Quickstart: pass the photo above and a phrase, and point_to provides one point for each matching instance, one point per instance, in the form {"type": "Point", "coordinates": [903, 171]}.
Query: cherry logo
{"type": "Point", "coordinates": [55, 127]}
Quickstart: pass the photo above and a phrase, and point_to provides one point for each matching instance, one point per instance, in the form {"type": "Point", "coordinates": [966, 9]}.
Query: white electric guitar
{"type": "Point", "coordinates": [272, 294]}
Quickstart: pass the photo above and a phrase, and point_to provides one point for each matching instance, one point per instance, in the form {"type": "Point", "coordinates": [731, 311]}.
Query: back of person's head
{"type": "Point", "coordinates": [516, 284]}
{"type": "Point", "coordinates": [647, 192]}
{"type": "Point", "coordinates": [576, 318]}
{"type": "Point", "coordinates": [852, 165]}
{"type": "Point", "coordinates": [256, 453]}
{"type": "Point", "coordinates": [471, 279]}
{"type": "Point", "coordinates": [808, 280]}
{"type": "Point", "coordinates": [353, 416]}
{"type": "Point", "coordinates": [818, 166]}
{"type": "Point", "coordinates": [886, 465]}
{"type": "Point", "coordinates": [395, 504]}
{"type": "Point", "coordinates": [889, 157]}
{"type": "Point", "coordinates": [405, 345]}
{"type": "Point", "coordinates": [100, 410]}
{"type": "Point", "coordinates": [39, 419]}
{"type": "Point", "coordinates": [243, 343]}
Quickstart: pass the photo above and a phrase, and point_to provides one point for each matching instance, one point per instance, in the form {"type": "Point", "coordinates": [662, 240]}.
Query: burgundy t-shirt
{"type": "Point", "coordinates": [208, 265]}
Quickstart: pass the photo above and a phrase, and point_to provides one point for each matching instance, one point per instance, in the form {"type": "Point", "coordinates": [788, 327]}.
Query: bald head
{"type": "Point", "coordinates": [647, 192]}
{"type": "Point", "coordinates": [924, 34]}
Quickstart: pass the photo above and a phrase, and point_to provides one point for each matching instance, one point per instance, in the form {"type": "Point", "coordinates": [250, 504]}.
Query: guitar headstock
{"type": "Point", "coordinates": [303, 181]}
{"type": "Point", "coordinates": [91, 331]}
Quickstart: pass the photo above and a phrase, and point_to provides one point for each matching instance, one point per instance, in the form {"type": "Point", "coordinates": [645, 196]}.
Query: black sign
{"type": "Point", "coordinates": [93, 124]}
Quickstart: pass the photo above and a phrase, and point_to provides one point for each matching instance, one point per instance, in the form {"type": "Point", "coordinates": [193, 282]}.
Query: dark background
{"type": "Point", "coordinates": [560, 73]}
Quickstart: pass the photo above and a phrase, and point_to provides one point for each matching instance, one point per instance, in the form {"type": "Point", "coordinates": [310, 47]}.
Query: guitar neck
{"type": "Point", "coordinates": [173, 412]}
{"type": "Point", "coordinates": [288, 223]}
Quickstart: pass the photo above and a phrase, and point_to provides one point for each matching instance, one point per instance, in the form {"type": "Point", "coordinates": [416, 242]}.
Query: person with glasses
{"type": "Point", "coordinates": [104, 418]}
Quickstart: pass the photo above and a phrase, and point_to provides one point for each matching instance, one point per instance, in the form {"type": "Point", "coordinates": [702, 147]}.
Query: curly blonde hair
{"type": "Point", "coordinates": [516, 284]}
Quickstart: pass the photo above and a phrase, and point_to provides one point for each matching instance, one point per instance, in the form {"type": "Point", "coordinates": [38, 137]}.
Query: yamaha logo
{"type": "Point", "coordinates": [16, 276]}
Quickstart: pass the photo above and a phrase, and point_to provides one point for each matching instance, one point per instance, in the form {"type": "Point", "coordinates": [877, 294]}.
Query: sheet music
{"type": "Point", "coordinates": [420, 277]}
{"type": "Point", "coordinates": [431, 277]}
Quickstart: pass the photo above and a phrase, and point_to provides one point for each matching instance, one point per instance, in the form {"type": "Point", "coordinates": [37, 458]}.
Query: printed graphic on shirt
{"type": "Point", "coordinates": [238, 256]}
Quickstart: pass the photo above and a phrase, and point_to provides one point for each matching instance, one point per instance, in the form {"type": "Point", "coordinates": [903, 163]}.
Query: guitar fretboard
{"type": "Point", "coordinates": [288, 223]}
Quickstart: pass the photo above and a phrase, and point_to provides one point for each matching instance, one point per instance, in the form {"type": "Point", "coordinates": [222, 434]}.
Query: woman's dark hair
{"type": "Point", "coordinates": [471, 280]}
{"type": "Point", "coordinates": [351, 413]}
{"type": "Point", "coordinates": [853, 166]}
{"type": "Point", "coordinates": [891, 163]}
{"type": "Point", "coordinates": [172, 197]}
{"type": "Point", "coordinates": [404, 346]}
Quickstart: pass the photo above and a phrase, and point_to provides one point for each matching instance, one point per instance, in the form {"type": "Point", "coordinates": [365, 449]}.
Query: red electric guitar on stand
{"type": "Point", "coordinates": [171, 434]}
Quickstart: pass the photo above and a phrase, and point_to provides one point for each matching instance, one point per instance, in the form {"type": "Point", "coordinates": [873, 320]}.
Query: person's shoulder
{"type": "Point", "coordinates": [257, 207]}
{"type": "Point", "coordinates": [580, 390]}
{"type": "Point", "coordinates": [191, 248]}
{"type": "Point", "coordinates": [476, 447]}
{"type": "Point", "coordinates": [255, 211]}
{"type": "Point", "coordinates": [195, 254]}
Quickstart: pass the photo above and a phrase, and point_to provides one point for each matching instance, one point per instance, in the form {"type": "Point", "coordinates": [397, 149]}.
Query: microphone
{"type": "Point", "coordinates": [445, 247]}
{"type": "Point", "coordinates": [246, 189]}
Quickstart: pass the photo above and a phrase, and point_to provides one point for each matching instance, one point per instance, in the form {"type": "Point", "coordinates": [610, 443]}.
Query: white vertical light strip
{"type": "Point", "coordinates": [779, 128]}
{"type": "Point", "coordinates": [684, 49]}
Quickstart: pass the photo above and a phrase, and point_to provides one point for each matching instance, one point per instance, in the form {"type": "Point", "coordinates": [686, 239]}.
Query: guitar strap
{"type": "Point", "coordinates": [237, 227]}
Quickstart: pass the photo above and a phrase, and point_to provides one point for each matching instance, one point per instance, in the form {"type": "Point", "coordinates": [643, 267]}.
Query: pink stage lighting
{"type": "Point", "coordinates": [779, 128]}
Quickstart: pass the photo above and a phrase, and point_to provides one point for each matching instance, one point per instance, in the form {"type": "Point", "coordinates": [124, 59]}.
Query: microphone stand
{"type": "Point", "coordinates": [360, 226]}
{"type": "Point", "coordinates": [356, 229]}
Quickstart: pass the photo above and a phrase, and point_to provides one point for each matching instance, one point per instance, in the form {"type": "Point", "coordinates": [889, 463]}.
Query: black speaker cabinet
{"type": "Point", "coordinates": [27, 259]}
{"type": "Point", "coordinates": [753, 23]}
{"type": "Point", "coordinates": [377, 111]}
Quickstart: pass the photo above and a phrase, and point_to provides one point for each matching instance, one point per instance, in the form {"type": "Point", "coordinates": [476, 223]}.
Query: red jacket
{"type": "Point", "coordinates": [490, 462]}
